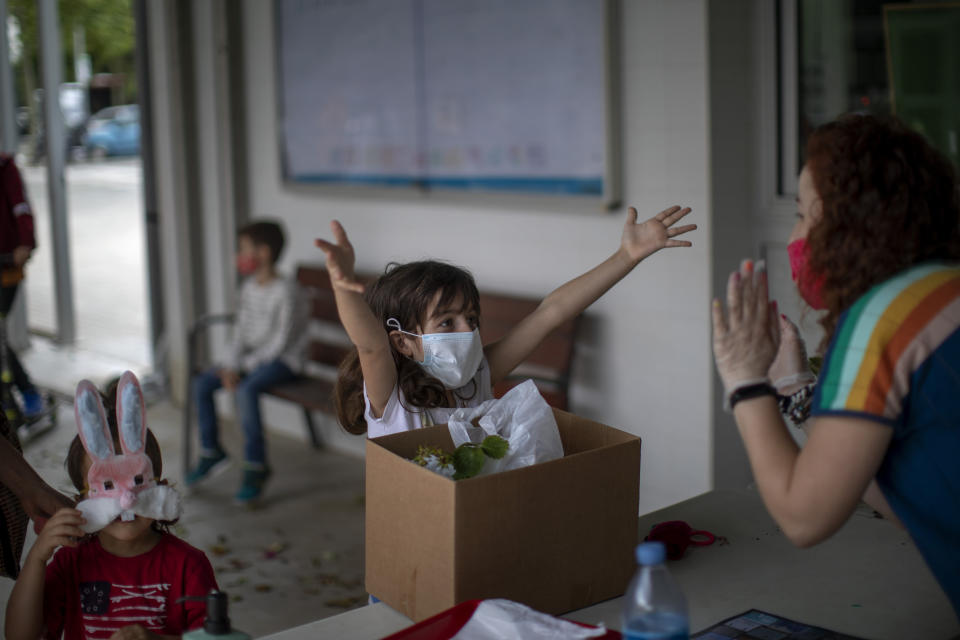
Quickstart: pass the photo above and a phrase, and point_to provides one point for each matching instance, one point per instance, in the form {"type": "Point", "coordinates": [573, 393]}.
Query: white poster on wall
{"type": "Point", "coordinates": [489, 94]}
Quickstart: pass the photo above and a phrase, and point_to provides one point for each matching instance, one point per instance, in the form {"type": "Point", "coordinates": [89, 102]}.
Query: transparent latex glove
{"type": "Point", "coordinates": [791, 368]}
{"type": "Point", "coordinates": [747, 336]}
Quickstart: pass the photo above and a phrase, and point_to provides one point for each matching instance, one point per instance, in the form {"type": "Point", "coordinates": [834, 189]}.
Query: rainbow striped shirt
{"type": "Point", "coordinates": [895, 358]}
{"type": "Point", "coordinates": [896, 329]}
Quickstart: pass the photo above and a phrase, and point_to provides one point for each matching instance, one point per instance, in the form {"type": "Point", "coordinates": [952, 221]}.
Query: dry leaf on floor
{"type": "Point", "coordinates": [344, 603]}
{"type": "Point", "coordinates": [332, 579]}
{"type": "Point", "coordinates": [238, 565]}
{"type": "Point", "coordinates": [274, 549]}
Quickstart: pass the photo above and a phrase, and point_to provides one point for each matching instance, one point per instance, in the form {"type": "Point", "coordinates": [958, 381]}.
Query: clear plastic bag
{"type": "Point", "coordinates": [522, 417]}
{"type": "Point", "coordinates": [501, 618]}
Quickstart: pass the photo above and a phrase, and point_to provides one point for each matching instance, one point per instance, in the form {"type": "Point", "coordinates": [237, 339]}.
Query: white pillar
{"type": "Point", "coordinates": [8, 122]}
{"type": "Point", "coordinates": [52, 71]}
{"type": "Point", "coordinates": [173, 199]}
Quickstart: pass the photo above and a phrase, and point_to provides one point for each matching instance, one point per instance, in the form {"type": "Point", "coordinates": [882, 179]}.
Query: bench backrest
{"type": "Point", "coordinates": [549, 364]}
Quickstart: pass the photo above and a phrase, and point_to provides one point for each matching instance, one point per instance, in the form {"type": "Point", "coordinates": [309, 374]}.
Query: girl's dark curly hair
{"type": "Point", "coordinates": [890, 201]}
{"type": "Point", "coordinates": [404, 292]}
{"type": "Point", "coordinates": [77, 455]}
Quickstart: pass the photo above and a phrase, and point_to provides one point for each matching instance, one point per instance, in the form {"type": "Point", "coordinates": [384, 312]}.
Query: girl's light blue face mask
{"type": "Point", "coordinates": [451, 358]}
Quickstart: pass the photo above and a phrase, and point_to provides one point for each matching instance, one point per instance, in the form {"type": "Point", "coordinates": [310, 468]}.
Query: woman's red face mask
{"type": "Point", "coordinates": [809, 211]}
{"type": "Point", "coordinates": [809, 284]}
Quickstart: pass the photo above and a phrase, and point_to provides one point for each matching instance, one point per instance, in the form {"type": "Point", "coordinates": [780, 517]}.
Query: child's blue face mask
{"type": "Point", "coordinates": [451, 358]}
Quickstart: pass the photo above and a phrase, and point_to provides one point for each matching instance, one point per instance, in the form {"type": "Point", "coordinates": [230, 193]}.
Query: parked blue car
{"type": "Point", "coordinates": [114, 131]}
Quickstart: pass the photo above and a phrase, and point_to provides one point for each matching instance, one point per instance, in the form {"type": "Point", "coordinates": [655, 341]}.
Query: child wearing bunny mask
{"type": "Point", "coordinates": [125, 581]}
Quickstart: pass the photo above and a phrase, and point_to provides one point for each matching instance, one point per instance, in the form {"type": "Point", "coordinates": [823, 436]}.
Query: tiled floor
{"type": "Point", "coordinates": [297, 558]}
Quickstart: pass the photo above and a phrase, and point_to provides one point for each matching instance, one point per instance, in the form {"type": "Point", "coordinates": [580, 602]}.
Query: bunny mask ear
{"type": "Point", "coordinates": [130, 414]}
{"type": "Point", "coordinates": [92, 421]}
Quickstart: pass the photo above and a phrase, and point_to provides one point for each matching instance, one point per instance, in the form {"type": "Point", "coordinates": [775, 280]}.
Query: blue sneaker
{"type": "Point", "coordinates": [32, 404]}
{"type": "Point", "coordinates": [254, 478]}
{"type": "Point", "coordinates": [207, 467]}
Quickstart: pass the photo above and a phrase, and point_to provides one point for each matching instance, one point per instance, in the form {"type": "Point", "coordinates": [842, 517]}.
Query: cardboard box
{"type": "Point", "coordinates": [556, 536]}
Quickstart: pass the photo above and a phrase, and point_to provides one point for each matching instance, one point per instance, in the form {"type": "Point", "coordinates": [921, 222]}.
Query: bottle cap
{"type": "Point", "coordinates": [217, 622]}
{"type": "Point", "coordinates": [649, 553]}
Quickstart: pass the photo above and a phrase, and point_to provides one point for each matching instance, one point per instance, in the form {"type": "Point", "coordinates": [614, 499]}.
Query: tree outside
{"type": "Point", "coordinates": [103, 30]}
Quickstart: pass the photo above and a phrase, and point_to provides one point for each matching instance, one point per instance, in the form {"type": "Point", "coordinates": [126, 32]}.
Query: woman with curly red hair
{"type": "Point", "coordinates": [877, 246]}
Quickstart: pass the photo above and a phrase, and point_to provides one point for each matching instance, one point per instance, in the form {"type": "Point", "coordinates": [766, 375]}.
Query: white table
{"type": "Point", "coordinates": [868, 580]}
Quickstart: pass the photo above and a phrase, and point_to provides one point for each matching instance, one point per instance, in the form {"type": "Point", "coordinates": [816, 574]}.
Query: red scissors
{"type": "Point", "coordinates": [677, 535]}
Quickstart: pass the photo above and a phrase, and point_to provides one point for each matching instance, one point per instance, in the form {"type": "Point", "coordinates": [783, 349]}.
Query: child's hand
{"type": "Point", "coordinates": [21, 255]}
{"type": "Point", "coordinates": [40, 501]}
{"type": "Point", "coordinates": [134, 632]}
{"type": "Point", "coordinates": [641, 240]}
{"type": "Point", "coordinates": [229, 378]}
{"type": "Point", "coordinates": [62, 530]}
{"type": "Point", "coordinates": [340, 260]}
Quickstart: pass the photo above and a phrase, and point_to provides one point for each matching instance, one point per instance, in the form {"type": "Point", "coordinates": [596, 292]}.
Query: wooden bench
{"type": "Point", "coordinates": [549, 365]}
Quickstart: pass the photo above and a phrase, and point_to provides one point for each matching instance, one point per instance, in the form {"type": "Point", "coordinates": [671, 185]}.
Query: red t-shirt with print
{"type": "Point", "coordinates": [91, 593]}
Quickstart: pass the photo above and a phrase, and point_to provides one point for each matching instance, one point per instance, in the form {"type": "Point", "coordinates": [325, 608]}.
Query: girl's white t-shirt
{"type": "Point", "coordinates": [399, 416]}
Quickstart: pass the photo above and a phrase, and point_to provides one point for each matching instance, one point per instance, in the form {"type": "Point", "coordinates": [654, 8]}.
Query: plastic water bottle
{"type": "Point", "coordinates": [654, 607]}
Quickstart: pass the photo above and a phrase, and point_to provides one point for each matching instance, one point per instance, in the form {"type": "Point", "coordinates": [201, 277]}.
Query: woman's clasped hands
{"type": "Point", "coordinates": [745, 338]}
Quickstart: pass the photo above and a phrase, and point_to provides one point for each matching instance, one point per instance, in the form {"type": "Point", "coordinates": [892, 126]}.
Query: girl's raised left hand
{"type": "Point", "coordinates": [340, 259]}
{"type": "Point", "coordinates": [746, 339]}
{"type": "Point", "coordinates": [643, 239]}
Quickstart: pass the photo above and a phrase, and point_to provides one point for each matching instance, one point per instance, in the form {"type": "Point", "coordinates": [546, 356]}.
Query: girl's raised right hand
{"type": "Point", "coordinates": [340, 259]}
{"type": "Point", "coordinates": [62, 530]}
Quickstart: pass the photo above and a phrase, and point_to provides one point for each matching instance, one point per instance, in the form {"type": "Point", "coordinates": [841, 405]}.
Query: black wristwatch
{"type": "Point", "coordinates": [751, 391]}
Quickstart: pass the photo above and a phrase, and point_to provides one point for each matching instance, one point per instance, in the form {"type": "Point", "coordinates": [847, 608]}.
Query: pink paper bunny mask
{"type": "Point", "coordinates": [119, 484]}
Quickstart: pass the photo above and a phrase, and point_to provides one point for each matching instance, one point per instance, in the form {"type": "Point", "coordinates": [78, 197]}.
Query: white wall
{"type": "Point", "coordinates": [645, 363]}
{"type": "Point", "coordinates": [735, 108]}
